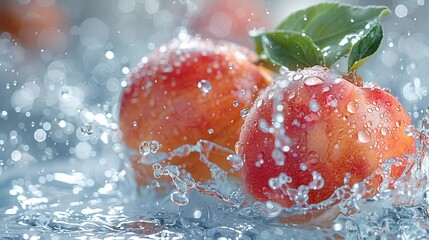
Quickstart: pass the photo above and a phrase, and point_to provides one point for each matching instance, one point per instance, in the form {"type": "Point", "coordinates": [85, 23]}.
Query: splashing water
{"type": "Point", "coordinates": [64, 171]}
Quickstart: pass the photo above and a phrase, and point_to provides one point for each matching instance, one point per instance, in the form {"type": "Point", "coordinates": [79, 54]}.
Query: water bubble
{"type": "Point", "coordinates": [235, 161]}
{"type": "Point", "coordinates": [364, 136]}
{"type": "Point", "coordinates": [401, 11]}
{"type": "Point", "coordinates": [109, 54]}
{"type": "Point", "coordinates": [135, 123]}
{"type": "Point", "coordinates": [244, 112]}
{"type": "Point", "coordinates": [157, 170]}
{"type": "Point", "coordinates": [179, 198]}
{"type": "Point", "coordinates": [352, 107]}
{"type": "Point", "coordinates": [16, 155]}
{"type": "Point", "coordinates": [313, 81]}
{"type": "Point", "coordinates": [236, 103]}
{"type": "Point", "coordinates": [210, 131]}
{"type": "Point", "coordinates": [3, 115]}
{"type": "Point", "coordinates": [86, 129]}
{"type": "Point", "coordinates": [147, 147]}
{"type": "Point", "coordinates": [204, 86]}
{"type": "Point", "coordinates": [243, 91]}
{"type": "Point", "coordinates": [40, 135]}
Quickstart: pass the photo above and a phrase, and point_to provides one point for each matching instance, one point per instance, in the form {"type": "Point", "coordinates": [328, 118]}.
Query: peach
{"type": "Point", "coordinates": [187, 90]}
{"type": "Point", "coordinates": [314, 124]}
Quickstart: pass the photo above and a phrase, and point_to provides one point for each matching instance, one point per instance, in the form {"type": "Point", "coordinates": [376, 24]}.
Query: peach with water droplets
{"type": "Point", "coordinates": [187, 90]}
{"type": "Point", "coordinates": [312, 128]}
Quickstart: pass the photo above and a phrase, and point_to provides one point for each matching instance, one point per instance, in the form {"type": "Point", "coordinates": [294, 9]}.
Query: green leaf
{"type": "Point", "coordinates": [365, 47]}
{"type": "Point", "coordinates": [291, 49]}
{"type": "Point", "coordinates": [334, 27]}
{"type": "Point", "coordinates": [257, 39]}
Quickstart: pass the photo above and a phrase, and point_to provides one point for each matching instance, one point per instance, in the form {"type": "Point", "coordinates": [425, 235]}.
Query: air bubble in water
{"type": "Point", "coordinates": [179, 198]}
{"type": "Point", "coordinates": [204, 86]}
{"type": "Point", "coordinates": [40, 135]}
{"type": "Point", "coordinates": [147, 147]}
{"type": "Point", "coordinates": [157, 170]}
{"type": "Point", "coordinates": [86, 129]}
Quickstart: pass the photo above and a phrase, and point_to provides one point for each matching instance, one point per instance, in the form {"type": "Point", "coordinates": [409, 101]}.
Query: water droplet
{"type": "Point", "coordinates": [359, 190]}
{"type": "Point", "coordinates": [352, 107]}
{"type": "Point", "coordinates": [135, 123]}
{"type": "Point", "coordinates": [410, 131]}
{"type": "Point", "coordinates": [331, 101]}
{"type": "Point", "coordinates": [303, 166]}
{"type": "Point", "coordinates": [236, 103]}
{"type": "Point", "coordinates": [204, 86]}
{"type": "Point", "coordinates": [109, 54]}
{"type": "Point", "coordinates": [283, 70]}
{"type": "Point", "coordinates": [210, 131]}
{"type": "Point", "coordinates": [278, 157]}
{"type": "Point", "coordinates": [313, 81]}
{"type": "Point", "coordinates": [364, 136]}
{"type": "Point", "coordinates": [235, 161]}
{"type": "Point", "coordinates": [297, 76]}
{"type": "Point", "coordinates": [147, 147]}
{"type": "Point", "coordinates": [383, 131]}
{"type": "Point", "coordinates": [312, 159]}
{"type": "Point", "coordinates": [179, 198]}
{"type": "Point", "coordinates": [283, 143]}
{"type": "Point", "coordinates": [314, 106]}
{"type": "Point", "coordinates": [243, 92]}
{"type": "Point", "coordinates": [244, 112]}
{"type": "Point", "coordinates": [86, 129]}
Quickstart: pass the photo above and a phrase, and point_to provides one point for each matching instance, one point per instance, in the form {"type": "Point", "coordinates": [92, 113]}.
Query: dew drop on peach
{"type": "Point", "coordinates": [313, 81]}
{"type": "Point", "coordinates": [204, 86]}
{"type": "Point", "coordinates": [352, 107]}
{"type": "Point", "coordinates": [364, 136]}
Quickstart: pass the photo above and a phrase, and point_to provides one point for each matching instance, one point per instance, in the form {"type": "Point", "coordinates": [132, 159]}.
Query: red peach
{"type": "Point", "coordinates": [315, 121]}
{"type": "Point", "coordinates": [189, 90]}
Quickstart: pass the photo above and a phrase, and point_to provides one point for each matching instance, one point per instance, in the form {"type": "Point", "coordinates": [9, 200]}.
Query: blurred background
{"type": "Point", "coordinates": [63, 66]}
